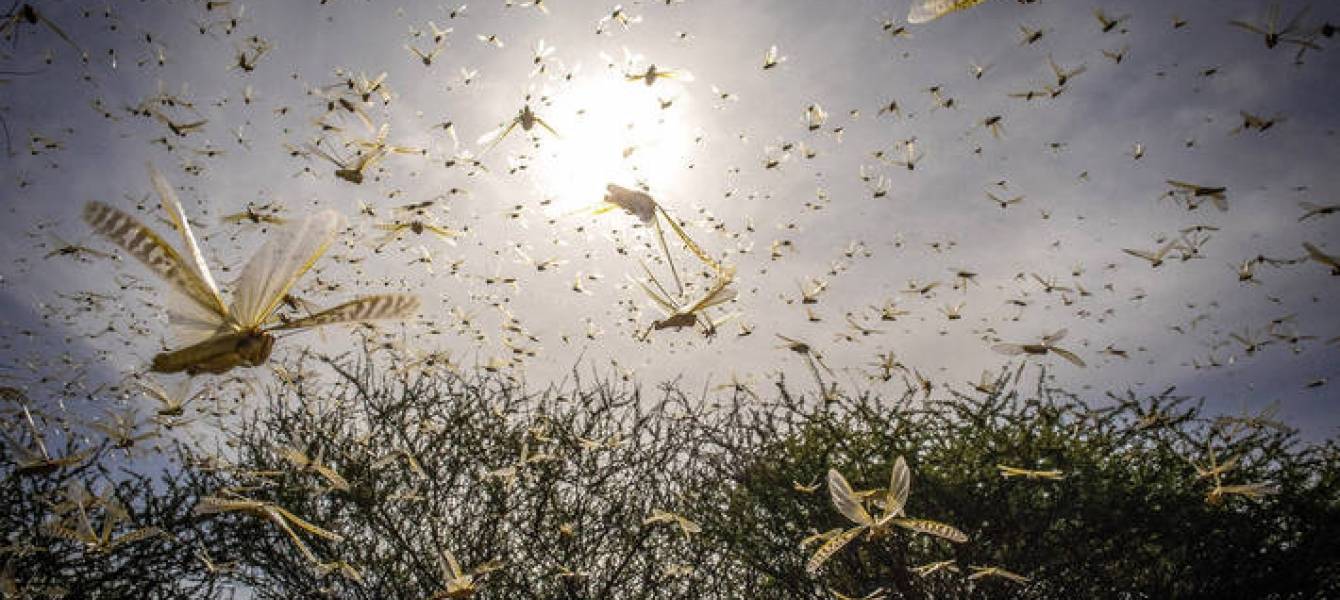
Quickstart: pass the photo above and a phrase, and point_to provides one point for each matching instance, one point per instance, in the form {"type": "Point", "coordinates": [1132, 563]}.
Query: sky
{"type": "Point", "coordinates": [724, 147]}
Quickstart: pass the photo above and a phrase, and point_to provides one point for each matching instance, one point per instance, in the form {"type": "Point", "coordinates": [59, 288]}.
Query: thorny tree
{"type": "Point", "coordinates": [352, 480]}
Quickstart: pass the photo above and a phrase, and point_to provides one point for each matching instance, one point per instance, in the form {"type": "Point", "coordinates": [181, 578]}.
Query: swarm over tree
{"type": "Point", "coordinates": [431, 483]}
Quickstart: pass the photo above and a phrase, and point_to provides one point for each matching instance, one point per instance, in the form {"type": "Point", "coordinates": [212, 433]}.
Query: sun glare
{"type": "Point", "coordinates": [613, 131]}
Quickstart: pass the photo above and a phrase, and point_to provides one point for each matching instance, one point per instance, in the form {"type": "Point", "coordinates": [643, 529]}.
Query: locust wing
{"type": "Point", "coordinates": [172, 206]}
{"type": "Point", "coordinates": [279, 264]}
{"type": "Point", "coordinates": [830, 548]}
{"type": "Point", "coordinates": [1317, 255]}
{"type": "Point", "coordinates": [934, 528]}
{"type": "Point", "coordinates": [845, 500]}
{"type": "Point", "coordinates": [195, 308]}
{"type": "Point", "coordinates": [495, 137]}
{"type": "Point", "coordinates": [900, 486]}
{"type": "Point", "coordinates": [1068, 355]}
{"type": "Point", "coordinates": [369, 308]}
{"type": "Point", "coordinates": [924, 11]}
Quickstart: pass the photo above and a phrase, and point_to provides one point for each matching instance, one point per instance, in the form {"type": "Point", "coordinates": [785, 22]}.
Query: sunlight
{"type": "Point", "coordinates": [613, 131]}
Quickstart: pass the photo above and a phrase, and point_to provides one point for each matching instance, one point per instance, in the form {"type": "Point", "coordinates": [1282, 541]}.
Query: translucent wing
{"type": "Point", "coordinates": [57, 530]}
{"type": "Point", "coordinates": [900, 486]}
{"type": "Point", "coordinates": [1317, 255]}
{"type": "Point", "coordinates": [172, 206]}
{"type": "Point", "coordinates": [1068, 355]}
{"type": "Point", "coordinates": [442, 231]}
{"type": "Point", "coordinates": [1290, 26]}
{"type": "Point", "coordinates": [156, 390]}
{"type": "Point", "coordinates": [845, 500]}
{"type": "Point", "coordinates": [189, 324]}
{"type": "Point", "coordinates": [924, 11]}
{"type": "Point", "coordinates": [60, 32]}
{"type": "Point", "coordinates": [494, 134]}
{"type": "Point", "coordinates": [142, 243]}
{"type": "Point", "coordinates": [720, 293]}
{"type": "Point", "coordinates": [192, 323]}
{"type": "Point", "coordinates": [1056, 336]}
{"type": "Point", "coordinates": [688, 241]}
{"type": "Point", "coordinates": [495, 137]}
{"type": "Point", "coordinates": [370, 308]}
{"type": "Point", "coordinates": [316, 149]}
{"type": "Point", "coordinates": [660, 300]}
{"type": "Point", "coordinates": [169, 399]}
{"type": "Point", "coordinates": [1248, 26]}
{"type": "Point", "coordinates": [136, 536]}
{"type": "Point", "coordinates": [274, 268]}
{"type": "Point", "coordinates": [369, 158]}
{"type": "Point", "coordinates": [934, 528]}
{"type": "Point", "coordinates": [679, 74]}
{"type": "Point", "coordinates": [547, 127]}
{"type": "Point", "coordinates": [1314, 252]}
{"type": "Point", "coordinates": [830, 548]}
{"type": "Point", "coordinates": [1150, 256]}
{"type": "Point", "coordinates": [928, 10]}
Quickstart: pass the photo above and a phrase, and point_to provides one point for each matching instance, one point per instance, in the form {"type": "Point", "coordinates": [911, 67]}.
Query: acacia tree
{"type": "Point", "coordinates": [552, 489]}
{"type": "Point", "coordinates": [354, 480]}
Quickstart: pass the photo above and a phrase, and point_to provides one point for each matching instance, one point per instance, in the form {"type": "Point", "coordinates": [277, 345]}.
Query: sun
{"type": "Point", "coordinates": [613, 131]}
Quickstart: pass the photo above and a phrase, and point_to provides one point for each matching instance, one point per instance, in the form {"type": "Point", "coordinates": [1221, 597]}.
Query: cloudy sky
{"type": "Point", "coordinates": [725, 148]}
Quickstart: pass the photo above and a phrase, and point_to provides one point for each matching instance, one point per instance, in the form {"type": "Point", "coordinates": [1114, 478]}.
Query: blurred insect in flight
{"type": "Point", "coordinates": [1272, 32]}
{"type": "Point", "coordinates": [526, 118]}
{"type": "Point", "coordinates": [268, 511]}
{"type": "Point", "coordinates": [924, 11]}
{"type": "Point", "coordinates": [1324, 259]}
{"type": "Point", "coordinates": [1108, 23]}
{"type": "Point", "coordinates": [771, 58]}
{"type": "Point", "coordinates": [172, 401]}
{"type": "Point", "coordinates": [81, 253]}
{"type": "Point", "coordinates": [1193, 194]}
{"type": "Point", "coordinates": [351, 171]}
{"type": "Point", "coordinates": [652, 74]}
{"type": "Point", "coordinates": [1046, 345]}
{"type": "Point", "coordinates": [617, 15]}
{"type": "Point", "coordinates": [1008, 472]}
{"type": "Point", "coordinates": [458, 583]}
{"type": "Point", "coordinates": [27, 15]}
{"type": "Point", "coordinates": [978, 572]}
{"type": "Point", "coordinates": [36, 459]}
{"type": "Point", "coordinates": [265, 213]}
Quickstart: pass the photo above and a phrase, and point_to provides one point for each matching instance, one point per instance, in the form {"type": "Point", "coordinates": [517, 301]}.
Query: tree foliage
{"type": "Point", "coordinates": [599, 489]}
